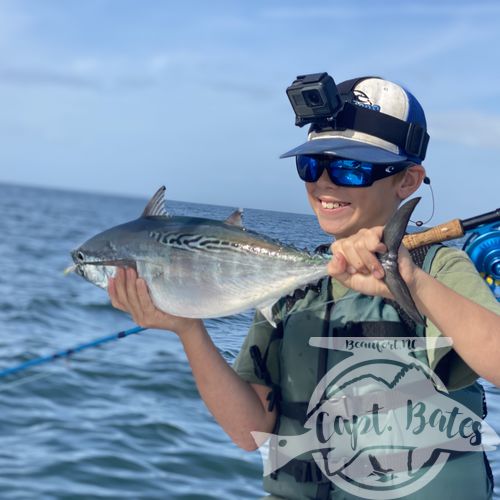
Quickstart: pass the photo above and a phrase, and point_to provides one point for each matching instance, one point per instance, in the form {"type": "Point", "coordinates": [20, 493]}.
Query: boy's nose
{"type": "Point", "coordinates": [325, 180]}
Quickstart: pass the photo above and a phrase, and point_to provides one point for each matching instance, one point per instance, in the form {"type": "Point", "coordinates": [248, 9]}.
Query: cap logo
{"type": "Point", "coordinates": [363, 101]}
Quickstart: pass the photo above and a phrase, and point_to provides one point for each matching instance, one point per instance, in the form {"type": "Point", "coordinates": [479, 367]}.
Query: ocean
{"type": "Point", "coordinates": [123, 421]}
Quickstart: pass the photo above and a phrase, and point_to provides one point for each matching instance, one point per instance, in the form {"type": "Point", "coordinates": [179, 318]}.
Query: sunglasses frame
{"type": "Point", "coordinates": [377, 170]}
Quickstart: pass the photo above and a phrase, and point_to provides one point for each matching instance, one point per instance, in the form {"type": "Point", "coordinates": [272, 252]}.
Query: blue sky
{"type": "Point", "coordinates": [123, 96]}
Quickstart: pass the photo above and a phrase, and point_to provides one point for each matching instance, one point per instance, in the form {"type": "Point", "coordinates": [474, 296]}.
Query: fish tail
{"type": "Point", "coordinates": [392, 237]}
{"type": "Point", "coordinates": [395, 230]}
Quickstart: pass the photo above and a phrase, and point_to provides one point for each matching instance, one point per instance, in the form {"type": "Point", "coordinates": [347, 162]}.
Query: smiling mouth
{"type": "Point", "coordinates": [332, 205]}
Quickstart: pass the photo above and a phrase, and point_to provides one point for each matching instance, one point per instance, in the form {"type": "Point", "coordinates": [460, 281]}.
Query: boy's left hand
{"type": "Point", "coordinates": [355, 264]}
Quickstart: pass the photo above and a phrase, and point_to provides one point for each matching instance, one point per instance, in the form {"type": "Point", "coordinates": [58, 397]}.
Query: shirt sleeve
{"type": "Point", "coordinates": [259, 335]}
{"type": "Point", "coordinates": [453, 268]}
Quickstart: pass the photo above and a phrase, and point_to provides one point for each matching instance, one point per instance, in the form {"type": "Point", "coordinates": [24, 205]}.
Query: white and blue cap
{"type": "Point", "coordinates": [381, 122]}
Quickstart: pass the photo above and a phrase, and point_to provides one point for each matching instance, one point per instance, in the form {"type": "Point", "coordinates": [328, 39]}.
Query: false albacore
{"type": "Point", "coordinates": [198, 268]}
{"type": "Point", "coordinates": [202, 268]}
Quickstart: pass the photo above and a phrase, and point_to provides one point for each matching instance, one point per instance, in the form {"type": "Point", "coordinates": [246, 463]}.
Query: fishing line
{"type": "Point", "coordinates": [25, 380]}
{"type": "Point", "coordinates": [69, 353]}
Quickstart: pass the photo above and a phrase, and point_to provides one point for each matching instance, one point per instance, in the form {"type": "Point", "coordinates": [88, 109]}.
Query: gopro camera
{"type": "Point", "coordinates": [314, 98]}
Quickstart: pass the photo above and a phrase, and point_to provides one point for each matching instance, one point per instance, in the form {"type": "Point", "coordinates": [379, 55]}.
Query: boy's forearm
{"type": "Point", "coordinates": [233, 402]}
{"type": "Point", "coordinates": [459, 318]}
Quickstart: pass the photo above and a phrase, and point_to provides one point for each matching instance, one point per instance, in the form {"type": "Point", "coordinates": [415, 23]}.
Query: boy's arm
{"type": "Point", "coordinates": [239, 407]}
{"type": "Point", "coordinates": [474, 330]}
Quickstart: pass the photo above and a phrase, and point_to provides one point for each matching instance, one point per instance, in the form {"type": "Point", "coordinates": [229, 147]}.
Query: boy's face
{"type": "Point", "coordinates": [343, 211]}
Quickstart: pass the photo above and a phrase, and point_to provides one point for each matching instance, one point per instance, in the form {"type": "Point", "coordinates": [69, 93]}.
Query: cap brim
{"type": "Point", "coordinates": [346, 148]}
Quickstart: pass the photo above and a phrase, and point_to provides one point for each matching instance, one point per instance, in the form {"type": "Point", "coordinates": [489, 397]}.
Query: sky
{"type": "Point", "coordinates": [122, 96]}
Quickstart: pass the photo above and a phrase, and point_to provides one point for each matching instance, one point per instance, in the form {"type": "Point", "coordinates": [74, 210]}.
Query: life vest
{"type": "Point", "coordinates": [312, 313]}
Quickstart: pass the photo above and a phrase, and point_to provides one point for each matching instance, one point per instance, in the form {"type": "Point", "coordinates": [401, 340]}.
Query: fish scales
{"type": "Point", "coordinates": [197, 267]}
{"type": "Point", "coordinates": [202, 268]}
{"type": "Point", "coordinates": [219, 277]}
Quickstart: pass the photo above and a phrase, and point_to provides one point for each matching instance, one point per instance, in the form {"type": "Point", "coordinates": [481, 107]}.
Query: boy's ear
{"type": "Point", "coordinates": [411, 181]}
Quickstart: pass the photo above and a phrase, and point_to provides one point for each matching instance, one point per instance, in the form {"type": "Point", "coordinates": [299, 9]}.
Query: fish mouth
{"type": "Point", "coordinates": [79, 266]}
{"type": "Point", "coordinates": [99, 272]}
{"type": "Point", "coordinates": [81, 260]}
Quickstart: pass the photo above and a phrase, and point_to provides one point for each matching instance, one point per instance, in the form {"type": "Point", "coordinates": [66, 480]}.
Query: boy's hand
{"type": "Point", "coordinates": [355, 264]}
{"type": "Point", "coordinates": [130, 294]}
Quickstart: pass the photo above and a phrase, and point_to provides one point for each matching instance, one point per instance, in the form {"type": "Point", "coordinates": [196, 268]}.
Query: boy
{"type": "Point", "coordinates": [355, 178]}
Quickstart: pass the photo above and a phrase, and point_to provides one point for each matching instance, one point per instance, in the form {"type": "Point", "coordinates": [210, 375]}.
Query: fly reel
{"type": "Point", "coordinates": [483, 248]}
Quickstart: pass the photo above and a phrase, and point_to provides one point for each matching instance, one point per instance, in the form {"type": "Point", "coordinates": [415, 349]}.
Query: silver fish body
{"type": "Point", "coordinates": [197, 267]}
{"type": "Point", "coordinates": [202, 268]}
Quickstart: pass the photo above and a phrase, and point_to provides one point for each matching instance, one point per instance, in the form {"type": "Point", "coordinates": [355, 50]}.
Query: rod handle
{"type": "Point", "coordinates": [443, 232]}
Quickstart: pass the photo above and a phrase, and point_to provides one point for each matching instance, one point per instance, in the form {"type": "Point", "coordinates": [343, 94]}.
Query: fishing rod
{"type": "Point", "coordinates": [483, 246]}
{"type": "Point", "coordinates": [451, 230]}
{"type": "Point", "coordinates": [67, 353]}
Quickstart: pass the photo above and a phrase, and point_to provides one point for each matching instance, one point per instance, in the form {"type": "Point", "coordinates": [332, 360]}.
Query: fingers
{"type": "Point", "coordinates": [131, 294]}
{"type": "Point", "coordinates": [113, 287]}
{"type": "Point", "coordinates": [123, 292]}
{"type": "Point", "coordinates": [337, 265]}
{"type": "Point", "coordinates": [144, 299]}
{"type": "Point", "coordinates": [359, 253]}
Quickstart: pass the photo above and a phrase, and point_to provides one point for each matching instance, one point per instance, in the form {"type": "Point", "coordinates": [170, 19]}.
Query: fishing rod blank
{"type": "Point", "coordinates": [67, 353]}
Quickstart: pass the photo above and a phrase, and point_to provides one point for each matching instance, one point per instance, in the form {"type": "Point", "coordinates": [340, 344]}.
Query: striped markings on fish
{"type": "Point", "coordinates": [203, 268]}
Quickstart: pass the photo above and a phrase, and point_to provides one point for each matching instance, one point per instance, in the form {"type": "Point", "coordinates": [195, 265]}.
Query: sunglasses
{"type": "Point", "coordinates": [344, 172]}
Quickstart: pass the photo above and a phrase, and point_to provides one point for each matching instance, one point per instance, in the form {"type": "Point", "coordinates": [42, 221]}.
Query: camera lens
{"type": "Point", "coordinates": [313, 98]}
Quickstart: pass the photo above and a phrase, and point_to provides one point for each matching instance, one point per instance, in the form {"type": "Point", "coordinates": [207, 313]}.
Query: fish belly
{"type": "Point", "coordinates": [206, 285]}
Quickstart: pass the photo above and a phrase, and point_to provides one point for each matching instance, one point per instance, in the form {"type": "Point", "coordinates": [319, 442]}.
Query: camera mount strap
{"type": "Point", "coordinates": [410, 137]}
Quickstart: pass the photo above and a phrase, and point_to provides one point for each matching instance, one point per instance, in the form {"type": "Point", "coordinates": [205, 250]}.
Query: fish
{"type": "Point", "coordinates": [203, 268]}
{"type": "Point", "coordinates": [197, 267]}
{"type": "Point", "coordinates": [392, 237]}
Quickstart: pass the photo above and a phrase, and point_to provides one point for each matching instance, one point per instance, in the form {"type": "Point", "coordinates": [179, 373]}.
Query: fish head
{"type": "Point", "coordinates": [98, 258]}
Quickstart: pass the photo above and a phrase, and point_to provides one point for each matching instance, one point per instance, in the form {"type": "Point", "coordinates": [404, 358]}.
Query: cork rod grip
{"type": "Point", "coordinates": [443, 232]}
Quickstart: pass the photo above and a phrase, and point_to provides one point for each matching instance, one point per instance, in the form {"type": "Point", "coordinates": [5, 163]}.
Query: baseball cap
{"type": "Point", "coordinates": [381, 122]}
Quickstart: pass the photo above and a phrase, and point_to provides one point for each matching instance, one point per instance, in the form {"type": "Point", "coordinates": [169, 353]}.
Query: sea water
{"type": "Point", "coordinates": [124, 421]}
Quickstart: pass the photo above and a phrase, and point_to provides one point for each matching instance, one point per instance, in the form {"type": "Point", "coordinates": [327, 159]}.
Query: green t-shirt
{"type": "Point", "coordinates": [451, 266]}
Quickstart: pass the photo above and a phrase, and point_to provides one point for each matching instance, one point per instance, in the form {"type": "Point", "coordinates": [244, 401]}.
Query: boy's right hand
{"type": "Point", "coordinates": [129, 293]}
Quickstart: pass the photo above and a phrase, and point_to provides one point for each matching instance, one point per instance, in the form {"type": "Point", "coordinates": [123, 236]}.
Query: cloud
{"type": "Point", "coordinates": [97, 73]}
{"type": "Point", "coordinates": [467, 128]}
{"type": "Point", "coordinates": [44, 76]}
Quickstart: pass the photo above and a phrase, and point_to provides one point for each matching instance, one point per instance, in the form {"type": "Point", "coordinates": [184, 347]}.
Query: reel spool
{"type": "Point", "coordinates": [483, 248]}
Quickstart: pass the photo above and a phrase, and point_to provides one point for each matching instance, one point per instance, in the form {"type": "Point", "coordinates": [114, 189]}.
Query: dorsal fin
{"type": "Point", "coordinates": [235, 219]}
{"type": "Point", "coordinates": [156, 205]}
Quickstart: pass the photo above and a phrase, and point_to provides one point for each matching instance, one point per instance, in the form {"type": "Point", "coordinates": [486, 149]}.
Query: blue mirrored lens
{"type": "Point", "coordinates": [309, 168]}
{"type": "Point", "coordinates": [350, 172]}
